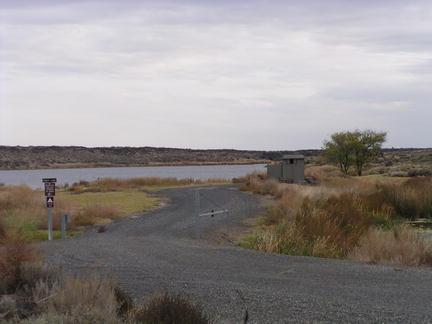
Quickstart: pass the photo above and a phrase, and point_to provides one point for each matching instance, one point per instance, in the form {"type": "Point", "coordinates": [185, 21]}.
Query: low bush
{"type": "Point", "coordinates": [419, 172]}
{"type": "Point", "coordinates": [326, 227]}
{"type": "Point", "coordinates": [400, 246]}
{"type": "Point", "coordinates": [14, 253]}
{"type": "Point", "coordinates": [167, 308]}
{"type": "Point", "coordinates": [398, 174]}
{"type": "Point", "coordinates": [259, 184]}
{"type": "Point", "coordinates": [92, 300]}
{"type": "Point", "coordinates": [93, 214]}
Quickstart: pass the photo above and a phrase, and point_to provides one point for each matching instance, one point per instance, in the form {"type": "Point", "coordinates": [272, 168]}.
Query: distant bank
{"type": "Point", "coordinates": [60, 157]}
{"type": "Point", "coordinates": [70, 157]}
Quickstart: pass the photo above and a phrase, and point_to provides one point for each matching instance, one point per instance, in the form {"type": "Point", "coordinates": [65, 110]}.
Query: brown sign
{"type": "Point", "coordinates": [49, 189]}
{"type": "Point", "coordinates": [50, 202]}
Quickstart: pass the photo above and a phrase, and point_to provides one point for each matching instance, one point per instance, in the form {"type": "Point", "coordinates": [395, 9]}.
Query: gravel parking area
{"type": "Point", "coordinates": [173, 249]}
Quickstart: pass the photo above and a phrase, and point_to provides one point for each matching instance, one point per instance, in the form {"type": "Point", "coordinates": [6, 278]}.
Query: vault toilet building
{"type": "Point", "coordinates": [290, 169]}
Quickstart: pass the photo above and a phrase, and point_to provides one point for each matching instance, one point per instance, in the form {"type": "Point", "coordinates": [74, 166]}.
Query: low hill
{"type": "Point", "coordinates": [37, 157]}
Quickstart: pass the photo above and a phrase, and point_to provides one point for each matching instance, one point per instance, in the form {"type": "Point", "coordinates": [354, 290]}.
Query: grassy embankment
{"type": "Point", "coordinates": [360, 218]}
{"type": "Point", "coordinates": [22, 210]}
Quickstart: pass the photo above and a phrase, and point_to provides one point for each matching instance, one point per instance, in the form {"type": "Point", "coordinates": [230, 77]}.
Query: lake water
{"type": "Point", "coordinates": [33, 178]}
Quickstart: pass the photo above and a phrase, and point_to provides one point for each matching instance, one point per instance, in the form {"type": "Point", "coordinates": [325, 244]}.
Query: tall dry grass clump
{"type": "Point", "coordinates": [257, 183]}
{"type": "Point", "coordinates": [400, 246]}
{"type": "Point", "coordinates": [411, 199]}
{"type": "Point", "coordinates": [325, 227]}
{"type": "Point", "coordinates": [94, 214]}
{"type": "Point", "coordinates": [169, 308]}
{"type": "Point", "coordinates": [21, 208]}
{"type": "Point", "coordinates": [14, 253]}
{"type": "Point", "coordinates": [92, 300]}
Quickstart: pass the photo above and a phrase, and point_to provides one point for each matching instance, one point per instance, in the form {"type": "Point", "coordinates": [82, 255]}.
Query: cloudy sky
{"type": "Point", "coordinates": [214, 74]}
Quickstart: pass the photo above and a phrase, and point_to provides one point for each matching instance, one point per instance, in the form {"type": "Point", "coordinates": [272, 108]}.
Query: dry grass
{"type": "Point", "coordinates": [84, 301]}
{"type": "Point", "coordinates": [323, 172]}
{"type": "Point", "coordinates": [45, 295]}
{"type": "Point", "coordinates": [22, 210]}
{"type": "Point", "coordinates": [125, 202]}
{"type": "Point", "coordinates": [400, 246]}
{"type": "Point", "coordinates": [325, 227]}
{"type": "Point", "coordinates": [411, 199]}
{"type": "Point", "coordinates": [334, 218]}
{"type": "Point", "coordinates": [14, 252]}
{"type": "Point", "coordinates": [167, 308]}
{"type": "Point", "coordinates": [95, 214]}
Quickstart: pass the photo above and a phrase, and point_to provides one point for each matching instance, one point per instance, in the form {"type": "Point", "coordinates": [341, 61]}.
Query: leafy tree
{"type": "Point", "coordinates": [366, 146]}
{"type": "Point", "coordinates": [353, 148]}
{"type": "Point", "coordinates": [339, 149]}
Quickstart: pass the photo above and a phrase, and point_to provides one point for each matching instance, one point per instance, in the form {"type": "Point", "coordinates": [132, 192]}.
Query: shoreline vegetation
{"type": "Point", "coordinates": [368, 218]}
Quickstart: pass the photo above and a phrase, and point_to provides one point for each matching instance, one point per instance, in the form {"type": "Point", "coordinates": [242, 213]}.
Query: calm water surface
{"type": "Point", "coordinates": [33, 178]}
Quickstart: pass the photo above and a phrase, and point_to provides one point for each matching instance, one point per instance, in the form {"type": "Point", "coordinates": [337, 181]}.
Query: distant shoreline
{"type": "Point", "coordinates": [14, 158]}
{"type": "Point", "coordinates": [72, 157]}
{"type": "Point", "coordinates": [100, 166]}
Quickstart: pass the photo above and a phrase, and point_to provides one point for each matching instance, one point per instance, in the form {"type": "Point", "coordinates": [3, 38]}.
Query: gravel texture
{"type": "Point", "coordinates": [172, 249]}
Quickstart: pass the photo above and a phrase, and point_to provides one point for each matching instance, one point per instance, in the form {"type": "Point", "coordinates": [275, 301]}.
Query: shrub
{"type": "Point", "coordinates": [167, 309]}
{"type": "Point", "coordinates": [326, 227]}
{"type": "Point", "coordinates": [398, 174]}
{"type": "Point", "coordinates": [329, 227]}
{"type": "Point", "coordinates": [91, 301]}
{"type": "Point", "coordinates": [400, 246]}
{"type": "Point", "coordinates": [421, 172]}
{"type": "Point", "coordinates": [14, 253]}
{"type": "Point", "coordinates": [93, 214]}
{"type": "Point", "coordinates": [258, 184]}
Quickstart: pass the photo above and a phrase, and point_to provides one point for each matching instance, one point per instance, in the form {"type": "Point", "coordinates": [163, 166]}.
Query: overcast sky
{"type": "Point", "coordinates": [214, 74]}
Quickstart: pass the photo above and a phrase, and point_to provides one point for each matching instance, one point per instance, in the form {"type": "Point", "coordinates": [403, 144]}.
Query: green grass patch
{"type": "Point", "coordinates": [42, 235]}
{"type": "Point", "coordinates": [248, 241]}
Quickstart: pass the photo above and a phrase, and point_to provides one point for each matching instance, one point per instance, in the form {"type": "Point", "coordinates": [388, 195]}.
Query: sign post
{"type": "Point", "coordinates": [49, 184]}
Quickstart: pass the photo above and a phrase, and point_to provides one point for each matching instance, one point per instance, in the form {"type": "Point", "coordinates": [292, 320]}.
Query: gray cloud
{"type": "Point", "coordinates": [242, 74]}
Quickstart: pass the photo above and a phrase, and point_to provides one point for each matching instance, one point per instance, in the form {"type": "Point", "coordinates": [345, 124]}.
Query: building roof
{"type": "Point", "coordinates": [293, 156]}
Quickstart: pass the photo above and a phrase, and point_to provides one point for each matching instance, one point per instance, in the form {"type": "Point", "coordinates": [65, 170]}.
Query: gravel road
{"type": "Point", "coordinates": [172, 249]}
